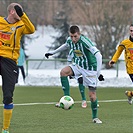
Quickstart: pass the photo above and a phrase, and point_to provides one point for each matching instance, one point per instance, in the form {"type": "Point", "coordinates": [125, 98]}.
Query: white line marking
{"type": "Point", "coordinates": [101, 101]}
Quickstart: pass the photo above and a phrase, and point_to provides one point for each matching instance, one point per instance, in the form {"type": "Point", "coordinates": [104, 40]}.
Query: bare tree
{"type": "Point", "coordinates": [108, 21]}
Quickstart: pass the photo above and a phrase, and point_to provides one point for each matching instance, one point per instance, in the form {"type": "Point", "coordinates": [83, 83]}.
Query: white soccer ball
{"type": "Point", "coordinates": [66, 102]}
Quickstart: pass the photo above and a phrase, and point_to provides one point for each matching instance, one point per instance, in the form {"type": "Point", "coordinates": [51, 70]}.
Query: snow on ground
{"type": "Point", "coordinates": [50, 77]}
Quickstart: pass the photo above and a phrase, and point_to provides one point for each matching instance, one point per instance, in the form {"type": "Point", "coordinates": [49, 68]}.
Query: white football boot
{"type": "Point", "coordinates": [96, 120]}
{"type": "Point", "coordinates": [57, 105]}
{"type": "Point", "coordinates": [84, 104]}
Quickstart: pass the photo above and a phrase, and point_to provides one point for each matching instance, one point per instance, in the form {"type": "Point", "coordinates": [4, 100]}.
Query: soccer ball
{"type": "Point", "coordinates": [66, 102]}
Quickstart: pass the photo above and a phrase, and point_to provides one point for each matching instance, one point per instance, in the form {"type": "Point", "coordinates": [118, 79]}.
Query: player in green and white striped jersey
{"type": "Point", "coordinates": [87, 62]}
{"type": "Point", "coordinates": [80, 81]}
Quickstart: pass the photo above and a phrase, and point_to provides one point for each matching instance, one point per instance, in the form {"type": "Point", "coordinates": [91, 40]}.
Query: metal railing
{"type": "Point", "coordinates": [62, 61]}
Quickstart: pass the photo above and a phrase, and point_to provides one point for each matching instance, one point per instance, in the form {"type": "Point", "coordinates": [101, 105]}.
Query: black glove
{"type": "Point", "coordinates": [18, 10]}
{"type": "Point", "coordinates": [70, 77]}
{"type": "Point", "coordinates": [101, 78]}
{"type": "Point", "coordinates": [47, 55]}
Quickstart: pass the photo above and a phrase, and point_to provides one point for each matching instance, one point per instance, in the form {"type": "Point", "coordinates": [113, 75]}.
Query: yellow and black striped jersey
{"type": "Point", "coordinates": [10, 36]}
{"type": "Point", "coordinates": [127, 46]}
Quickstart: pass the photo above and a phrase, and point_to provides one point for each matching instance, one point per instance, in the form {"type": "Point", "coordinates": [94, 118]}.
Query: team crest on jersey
{"type": "Point", "coordinates": [78, 53]}
{"type": "Point", "coordinates": [13, 28]}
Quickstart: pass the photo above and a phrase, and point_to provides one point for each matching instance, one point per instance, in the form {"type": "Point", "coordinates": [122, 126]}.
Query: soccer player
{"type": "Point", "coordinates": [80, 81]}
{"type": "Point", "coordinates": [87, 62]}
{"type": "Point", "coordinates": [127, 46]}
{"type": "Point", "coordinates": [12, 28]}
{"type": "Point", "coordinates": [20, 64]}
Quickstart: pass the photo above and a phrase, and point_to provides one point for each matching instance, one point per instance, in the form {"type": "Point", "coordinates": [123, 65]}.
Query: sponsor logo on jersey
{"type": "Point", "coordinates": [78, 53]}
{"type": "Point", "coordinates": [5, 36]}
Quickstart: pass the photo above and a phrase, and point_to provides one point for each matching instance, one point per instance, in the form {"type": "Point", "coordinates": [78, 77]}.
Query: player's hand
{"type": "Point", "coordinates": [111, 63]}
{"type": "Point", "coordinates": [47, 55]}
{"type": "Point", "coordinates": [18, 10]}
{"type": "Point", "coordinates": [101, 78]}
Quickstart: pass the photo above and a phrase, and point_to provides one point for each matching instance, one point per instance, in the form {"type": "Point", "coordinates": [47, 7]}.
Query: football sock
{"type": "Point", "coordinates": [65, 85]}
{"type": "Point", "coordinates": [82, 91]}
{"type": "Point", "coordinates": [131, 93]}
{"type": "Point", "coordinates": [94, 109]}
{"type": "Point", "coordinates": [7, 114]}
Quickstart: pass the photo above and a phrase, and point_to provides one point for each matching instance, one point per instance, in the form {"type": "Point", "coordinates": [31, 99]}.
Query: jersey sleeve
{"type": "Point", "coordinates": [61, 48]}
{"type": "Point", "coordinates": [29, 27]}
{"type": "Point", "coordinates": [118, 52]}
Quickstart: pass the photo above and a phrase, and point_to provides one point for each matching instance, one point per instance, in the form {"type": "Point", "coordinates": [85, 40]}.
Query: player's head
{"type": "Point", "coordinates": [12, 12]}
{"type": "Point", "coordinates": [131, 30]}
{"type": "Point", "coordinates": [74, 33]}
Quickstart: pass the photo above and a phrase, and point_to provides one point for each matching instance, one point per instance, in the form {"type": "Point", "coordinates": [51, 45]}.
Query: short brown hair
{"type": "Point", "coordinates": [74, 29]}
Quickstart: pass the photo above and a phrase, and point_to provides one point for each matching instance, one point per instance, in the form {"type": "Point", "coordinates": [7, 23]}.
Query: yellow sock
{"type": "Point", "coordinates": [7, 114]}
{"type": "Point", "coordinates": [131, 93]}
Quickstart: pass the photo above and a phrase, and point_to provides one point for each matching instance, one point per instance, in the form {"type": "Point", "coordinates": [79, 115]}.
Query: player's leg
{"type": "Point", "coordinates": [23, 72]}
{"type": "Point", "coordinates": [9, 76]}
{"type": "Point", "coordinates": [17, 75]}
{"type": "Point", "coordinates": [94, 104]}
{"type": "Point", "coordinates": [82, 92]}
{"type": "Point", "coordinates": [128, 93]}
{"type": "Point", "coordinates": [71, 70]}
{"type": "Point", "coordinates": [90, 80]}
{"type": "Point", "coordinates": [81, 88]}
{"type": "Point", "coordinates": [65, 72]}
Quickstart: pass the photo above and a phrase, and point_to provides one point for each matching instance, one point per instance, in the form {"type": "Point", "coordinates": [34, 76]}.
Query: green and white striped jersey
{"type": "Point", "coordinates": [83, 53]}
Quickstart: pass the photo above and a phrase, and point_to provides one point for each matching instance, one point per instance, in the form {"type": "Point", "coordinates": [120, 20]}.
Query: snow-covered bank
{"type": "Point", "coordinates": [48, 77]}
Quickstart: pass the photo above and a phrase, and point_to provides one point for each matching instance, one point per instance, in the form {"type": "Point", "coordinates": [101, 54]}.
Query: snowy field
{"type": "Point", "coordinates": [48, 77]}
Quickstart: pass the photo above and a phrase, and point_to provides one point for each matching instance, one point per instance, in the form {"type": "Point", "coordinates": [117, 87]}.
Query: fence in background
{"type": "Point", "coordinates": [57, 63]}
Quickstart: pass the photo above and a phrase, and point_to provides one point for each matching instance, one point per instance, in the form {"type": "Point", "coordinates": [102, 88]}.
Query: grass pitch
{"type": "Point", "coordinates": [35, 112]}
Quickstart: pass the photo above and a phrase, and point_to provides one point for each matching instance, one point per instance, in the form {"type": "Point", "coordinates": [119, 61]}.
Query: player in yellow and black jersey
{"type": "Point", "coordinates": [12, 28]}
{"type": "Point", "coordinates": [127, 46]}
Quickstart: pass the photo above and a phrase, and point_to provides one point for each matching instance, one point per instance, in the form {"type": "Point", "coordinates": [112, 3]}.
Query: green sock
{"type": "Point", "coordinates": [82, 91]}
{"type": "Point", "coordinates": [65, 85]}
{"type": "Point", "coordinates": [94, 109]}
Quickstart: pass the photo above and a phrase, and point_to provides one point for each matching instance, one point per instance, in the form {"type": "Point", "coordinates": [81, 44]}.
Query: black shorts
{"type": "Point", "coordinates": [8, 71]}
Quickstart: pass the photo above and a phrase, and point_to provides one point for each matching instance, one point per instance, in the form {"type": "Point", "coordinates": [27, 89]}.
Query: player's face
{"type": "Point", "coordinates": [75, 37]}
{"type": "Point", "coordinates": [131, 31]}
{"type": "Point", "coordinates": [14, 15]}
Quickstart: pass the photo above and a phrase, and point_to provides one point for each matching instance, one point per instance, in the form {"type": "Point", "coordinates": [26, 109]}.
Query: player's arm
{"type": "Point", "coordinates": [98, 56]}
{"type": "Point", "coordinates": [29, 27]}
{"type": "Point", "coordinates": [99, 66]}
{"type": "Point", "coordinates": [61, 48]}
{"type": "Point", "coordinates": [116, 55]}
{"type": "Point", "coordinates": [99, 61]}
